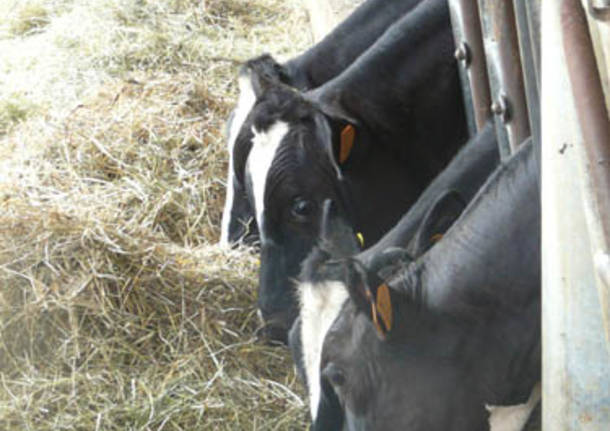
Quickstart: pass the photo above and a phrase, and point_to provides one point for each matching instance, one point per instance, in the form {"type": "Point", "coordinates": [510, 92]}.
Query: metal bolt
{"type": "Point", "coordinates": [500, 107]}
{"type": "Point", "coordinates": [462, 53]}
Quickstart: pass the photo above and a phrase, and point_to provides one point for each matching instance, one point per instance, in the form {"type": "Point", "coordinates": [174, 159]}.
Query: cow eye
{"type": "Point", "coordinates": [302, 208]}
{"type": "Point", "coordinates": [334, 374]}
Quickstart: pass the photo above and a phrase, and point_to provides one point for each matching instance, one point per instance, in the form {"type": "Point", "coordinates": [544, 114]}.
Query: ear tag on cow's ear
{"type": "Point", "coordinates": [360, 239]}
{"type": "Point", "coordinates": [375, 320]}
{"type": "Point", "coordinates": [374, 317]}
{"type": "Point", "coordinates": [348, 134]}
{"type": "Point", "coordinates": [384, 306]}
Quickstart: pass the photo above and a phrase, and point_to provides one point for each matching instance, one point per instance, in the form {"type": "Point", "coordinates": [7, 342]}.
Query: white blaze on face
{"type": "Point", "coordinates": [264, 146]}
{"type": "Point", "coordinates": [245, 103]}
{"type": "Point", "coordinates": [513, 418]}
{"type": "Point", "coordinates": [320, 306]}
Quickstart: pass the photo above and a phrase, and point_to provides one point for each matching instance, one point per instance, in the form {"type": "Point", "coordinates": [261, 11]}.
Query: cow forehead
{"type": "Point", "coordinates": [264, 146]}
{"type": "Point", "coordinates": [320, 305]}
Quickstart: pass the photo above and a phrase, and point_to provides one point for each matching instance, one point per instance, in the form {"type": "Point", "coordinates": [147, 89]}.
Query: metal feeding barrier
{"type": "Point", "coordinates": [543, 69]}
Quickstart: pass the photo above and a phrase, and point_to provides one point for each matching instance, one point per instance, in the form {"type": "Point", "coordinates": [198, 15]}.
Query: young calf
{"type": "Point", "coordinates": [371, 140]}
{"type": "Point", "coordinates": [316, 66]}
{"type": "Point", "coordinates": [450, 334]}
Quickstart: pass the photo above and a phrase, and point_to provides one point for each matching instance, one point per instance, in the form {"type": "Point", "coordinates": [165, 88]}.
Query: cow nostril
{"type": "Point", "coordinates": [334, 374]}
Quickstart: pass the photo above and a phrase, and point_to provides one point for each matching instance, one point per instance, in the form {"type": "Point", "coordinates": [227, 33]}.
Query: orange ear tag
{"type": "Point", "coordinates": [384, 306]}
{"type": "Point", "coordinates": [437, 237]}
{"type": "Point", "coordinates": [348, 134]}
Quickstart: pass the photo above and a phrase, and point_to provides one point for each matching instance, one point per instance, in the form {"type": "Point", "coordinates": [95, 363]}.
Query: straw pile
{"type": "Point", "coordinates": [117, 310]}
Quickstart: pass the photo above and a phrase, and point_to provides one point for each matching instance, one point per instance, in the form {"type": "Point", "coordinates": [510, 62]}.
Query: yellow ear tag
{"type": "Point", "coordinates": [360, 239]}
{"type": "Point", "coordinates": [384, 306]}
{"type": "Point", "coordinates": [347, 142]}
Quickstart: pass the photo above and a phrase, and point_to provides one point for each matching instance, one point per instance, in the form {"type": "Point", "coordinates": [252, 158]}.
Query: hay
{"type": "Point", "coordinates": [117, 310]}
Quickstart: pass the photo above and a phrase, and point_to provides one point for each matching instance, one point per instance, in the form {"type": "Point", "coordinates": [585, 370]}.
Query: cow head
{"type": "Point", "coordinates": [395, 365]}
{"type": "Point", "coordinates": [238, 222]}
{"type": "Point", "coordinates": [286, 162]}
{"type": "Point", "coordinates": [331, 270]}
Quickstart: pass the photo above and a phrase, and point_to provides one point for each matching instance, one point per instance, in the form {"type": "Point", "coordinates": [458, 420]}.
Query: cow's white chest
{"type": "Point", "coordinates": [513, 418]}
{"type": "Point", "coordinates": [264, 147]}
{"type": "Point", "coordinates": [320, 306]}
{"type": "Point", "coordinates": [246, 101]}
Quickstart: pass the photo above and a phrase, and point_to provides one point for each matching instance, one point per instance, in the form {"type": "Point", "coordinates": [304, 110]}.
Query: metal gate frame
{"type": "Point", "coordinates": [556, 95]}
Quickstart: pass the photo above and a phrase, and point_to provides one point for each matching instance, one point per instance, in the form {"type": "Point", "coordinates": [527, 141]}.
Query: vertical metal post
{"type": "Point", "coordinates": [576, 359]}
{"type": "Point", "coordinates": [505, 74]}
{"type": "Point", "coordinates": [595, 126]}
{"type": "Point", "coordinates": [527, 14]}
{"type": "Point", "coordinates": [471, 61]}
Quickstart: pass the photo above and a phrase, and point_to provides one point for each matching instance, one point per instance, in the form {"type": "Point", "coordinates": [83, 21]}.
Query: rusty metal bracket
{"type": "Point", "coordinates": [505, 73]}
{"type": "Point", "coordinates": [471, 61]}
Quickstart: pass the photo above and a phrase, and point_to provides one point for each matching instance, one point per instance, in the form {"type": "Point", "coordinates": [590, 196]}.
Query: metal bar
{"type": "Point", "coordinates": [576, 364]}
{"type": "Point", "coordinates": [527, 15]}
{"type": "Point", "coordinates": [533, 8]}
{"type": "Point", "coordinates": [595, 126]}
{"type": "Point", "coordinates": [505, 76]}
{"type": "Point", "coordinates": [471, 57]}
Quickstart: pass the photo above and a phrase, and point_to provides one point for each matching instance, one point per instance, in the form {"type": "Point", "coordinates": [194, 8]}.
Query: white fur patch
{"type": "Point", "coordinates": [513, 418]}
{"type": "Point", "coordinates": [264, 146]}
{"type": "Point", "coordinates": [246, 101]}
{"type": "Point", "coordinates": [320, 306]}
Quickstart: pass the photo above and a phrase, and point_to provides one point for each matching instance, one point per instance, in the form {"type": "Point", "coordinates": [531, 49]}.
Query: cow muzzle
{"type": "Point", "coordinates": [276, 326]}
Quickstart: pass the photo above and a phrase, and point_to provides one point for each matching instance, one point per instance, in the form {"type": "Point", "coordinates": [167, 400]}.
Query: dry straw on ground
{"type": "Point", "coordinates": [117, 311]}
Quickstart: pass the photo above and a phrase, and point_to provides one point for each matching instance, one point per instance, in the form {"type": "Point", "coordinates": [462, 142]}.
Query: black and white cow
{"type": "Point", "coordinates": [316, 66]}
{"type": "Point", "coordinates": [433, 213]}
{"type": "Point", "coordinates": [371, 140]}
{"type": "Point", "coordinates": [447, 336]}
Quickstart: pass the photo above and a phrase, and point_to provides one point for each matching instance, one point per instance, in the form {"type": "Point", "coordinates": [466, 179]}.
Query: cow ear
{"type": "Point", "coordinates": [384, 264]}
{"type": "Point", "coordinates": [362, 291]}
{"type": "Point", "coordinates": [371, 295]}
{"type": "Point", "coordinates": [356, 279]}
{"type": "Point", "coordinates": [329, 102]}
{"type": "Point", "coordinates": [336, 235]}
{"type": "Point", "coordinates": [343, 127]}
{"type": "Point", "coordinates": [444, 211]}
{"type": "Point", "coordinates": [264, 72]}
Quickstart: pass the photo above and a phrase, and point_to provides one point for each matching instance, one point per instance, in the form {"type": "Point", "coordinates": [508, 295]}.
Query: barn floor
{"type": "Point", "coordinates": [117, 310]}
